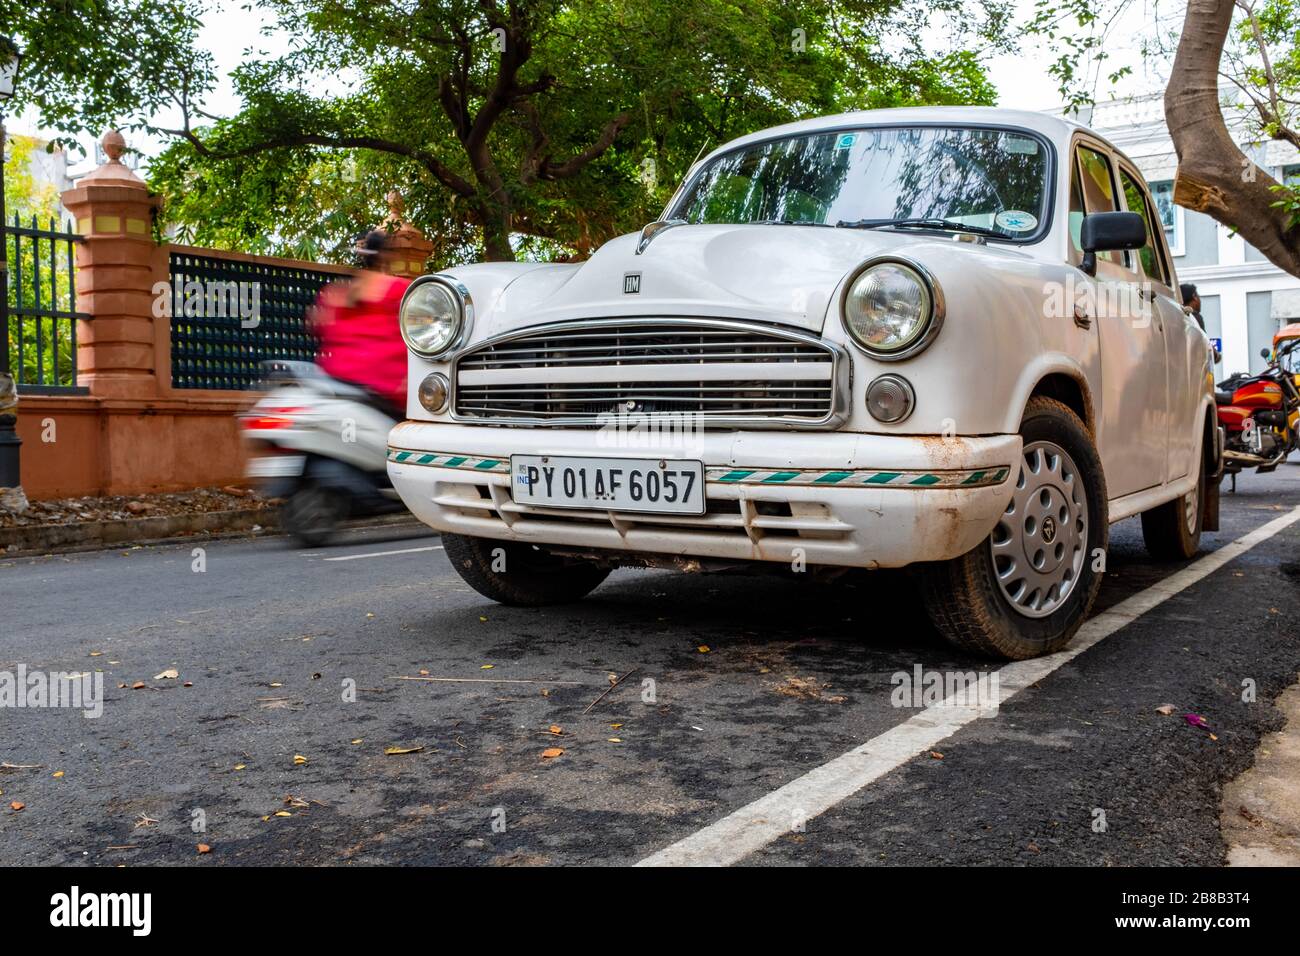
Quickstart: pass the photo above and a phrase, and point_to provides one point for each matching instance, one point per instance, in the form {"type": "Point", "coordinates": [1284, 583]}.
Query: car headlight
{"type": "Point", "coordinates": [892, 309]}
{"type": "Point", "coordinates": [434, 316]}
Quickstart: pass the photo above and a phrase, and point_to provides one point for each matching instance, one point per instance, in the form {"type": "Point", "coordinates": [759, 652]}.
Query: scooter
{"type": "Point", "coordinates": [1260, 415]}
{"type": "Point", "coordinates": [320, 445]}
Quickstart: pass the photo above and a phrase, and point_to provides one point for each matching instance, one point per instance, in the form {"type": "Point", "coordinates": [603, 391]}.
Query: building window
{"type": "Point", "coordinates": [1171, 216]}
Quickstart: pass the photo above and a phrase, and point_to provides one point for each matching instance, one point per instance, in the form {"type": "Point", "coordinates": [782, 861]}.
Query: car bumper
{"type": "Point", "coordinates": [839, 499]}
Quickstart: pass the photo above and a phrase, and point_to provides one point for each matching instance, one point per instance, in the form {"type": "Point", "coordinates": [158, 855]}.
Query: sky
{"type": "Point", "coordinates": [1021, 76]}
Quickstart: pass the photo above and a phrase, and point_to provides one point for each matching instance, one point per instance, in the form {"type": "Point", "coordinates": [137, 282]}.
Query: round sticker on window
{"type": "Point", "coordinates": [1013, 220]}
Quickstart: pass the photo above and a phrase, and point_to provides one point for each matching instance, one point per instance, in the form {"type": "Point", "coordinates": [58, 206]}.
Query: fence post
{"type": "Point", "coordinates": [115, 276]}
{"type": "Point", "coordinates": [408, 250]}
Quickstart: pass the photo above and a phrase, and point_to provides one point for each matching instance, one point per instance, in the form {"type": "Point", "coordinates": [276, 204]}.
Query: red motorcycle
{"type": "Point", "coordinates": [1260, 415]}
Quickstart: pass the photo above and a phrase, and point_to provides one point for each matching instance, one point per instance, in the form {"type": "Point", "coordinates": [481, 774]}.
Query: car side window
{"type": "Point", "coordinates": [1095, 189]}
{"type": "Point", "coordinates": [1153, 263]}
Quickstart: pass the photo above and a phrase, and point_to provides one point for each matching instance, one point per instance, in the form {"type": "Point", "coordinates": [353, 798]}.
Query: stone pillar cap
{"type": "Point", "coordinates": [114, 172]}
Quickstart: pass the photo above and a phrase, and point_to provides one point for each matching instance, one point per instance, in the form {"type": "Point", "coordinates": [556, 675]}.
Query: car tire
{"type": "Point", "coordinates": [997, 600]}
{"type": "Point", "coordinates": [313, 513]}
{"type": "Point", "coordinates": [1172, 531]}
{"type": "Point", "coordinates": [520, 575]}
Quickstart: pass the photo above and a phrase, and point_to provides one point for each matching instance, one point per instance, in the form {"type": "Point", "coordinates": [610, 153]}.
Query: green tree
{"type": "Point", "coordinates": [91, 64]}
{"type": "Point", "coordinates": [33, 202]}
{"type": "Point", "coordinates": [551, 125]}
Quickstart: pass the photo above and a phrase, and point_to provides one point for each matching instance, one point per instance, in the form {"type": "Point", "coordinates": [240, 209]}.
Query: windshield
{"type": "Point", "coordinates": [983, 178]}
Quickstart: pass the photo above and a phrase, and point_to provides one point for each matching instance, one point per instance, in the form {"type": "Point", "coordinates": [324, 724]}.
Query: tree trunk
{"type": "Point", "coordinates": [496, 242]}
{"type": "Point", "coordinates": [1214, 176]}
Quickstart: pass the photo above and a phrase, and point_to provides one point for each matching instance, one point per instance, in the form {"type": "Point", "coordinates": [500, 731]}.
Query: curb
{"type": "Point", "coordinates": [32, 540]}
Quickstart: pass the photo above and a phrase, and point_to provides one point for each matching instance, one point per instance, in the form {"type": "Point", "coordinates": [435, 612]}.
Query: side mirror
{"type": "Point", "coordinates": [1264, 353]}
{"type": "Point", "coordinates": [1107, 231]}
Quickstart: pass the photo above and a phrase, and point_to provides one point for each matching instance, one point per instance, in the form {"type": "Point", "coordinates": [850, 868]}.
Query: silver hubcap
{"type": "Point", "coordinates": [1041, 541]}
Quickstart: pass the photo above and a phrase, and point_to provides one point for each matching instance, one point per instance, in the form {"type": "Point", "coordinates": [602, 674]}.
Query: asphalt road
{"type": "Point", "coordinates": [756, 682]}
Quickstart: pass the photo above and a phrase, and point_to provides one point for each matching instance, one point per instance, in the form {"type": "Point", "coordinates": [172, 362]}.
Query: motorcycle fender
{"type": "Point", "coordinates": [341, 476]}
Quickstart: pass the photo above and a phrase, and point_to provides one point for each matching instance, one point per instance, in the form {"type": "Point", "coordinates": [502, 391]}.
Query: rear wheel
{"type": "Point", "coordinates": [518, 574]}
{"type": "Point", "coordinates": [1172, 531]}
{"type": "Point", "coordinates": [313, 513]}
{"type": "Point", "coordinates": [1027, 588]}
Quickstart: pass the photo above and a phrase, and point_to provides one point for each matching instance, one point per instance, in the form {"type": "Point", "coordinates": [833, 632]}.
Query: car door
{"type": "Point", "coordinates": [1185, 344]}
{"type": "Point", "coordinates": [1131, 411]}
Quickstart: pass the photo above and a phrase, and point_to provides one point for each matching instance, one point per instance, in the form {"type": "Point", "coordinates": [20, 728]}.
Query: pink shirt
{"type": "Point", "coordinates": [359, 335]}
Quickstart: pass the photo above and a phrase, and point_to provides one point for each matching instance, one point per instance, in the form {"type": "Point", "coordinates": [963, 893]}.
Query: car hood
{"type": "Point", "coordinates": [768, 273]}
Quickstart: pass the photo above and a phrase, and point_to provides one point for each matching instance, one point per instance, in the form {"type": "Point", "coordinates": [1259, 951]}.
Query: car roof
{"type": "Point", "coordinates": [1055, 128]}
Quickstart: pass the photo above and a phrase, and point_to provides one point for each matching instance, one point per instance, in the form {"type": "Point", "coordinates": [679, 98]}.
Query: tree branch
{"type": "Point", "coordinates": [575, 163]}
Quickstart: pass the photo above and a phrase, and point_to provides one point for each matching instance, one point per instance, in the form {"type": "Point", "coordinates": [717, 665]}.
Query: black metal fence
{"type": "Point", "coordinates": [230, 315]}
{"type": "Point", "coordinates": [42, 326]}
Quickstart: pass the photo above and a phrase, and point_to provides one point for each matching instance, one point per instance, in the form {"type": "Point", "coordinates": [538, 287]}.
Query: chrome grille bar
{"type": "Point", "coordinates": [723, 372]}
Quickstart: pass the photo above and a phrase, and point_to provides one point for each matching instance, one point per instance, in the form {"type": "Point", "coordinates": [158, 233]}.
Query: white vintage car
{"type": "Point", "coordinates": [942, 337]}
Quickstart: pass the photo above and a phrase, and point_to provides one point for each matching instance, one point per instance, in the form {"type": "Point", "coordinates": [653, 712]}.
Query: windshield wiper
{"type": "Point", "coordinates": [922, 223]}
{"type": "Point", "coordinates": [785, 222]}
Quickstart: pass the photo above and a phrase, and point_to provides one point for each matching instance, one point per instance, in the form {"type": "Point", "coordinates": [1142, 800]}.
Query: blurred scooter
{"type": "Point", "coordinates": [319, 444]}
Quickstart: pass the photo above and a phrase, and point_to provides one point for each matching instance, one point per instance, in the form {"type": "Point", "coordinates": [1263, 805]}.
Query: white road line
{"type": "Point", "coordinates": [752, 827]}
{"type": "Point", "coordinates": [384, 554]}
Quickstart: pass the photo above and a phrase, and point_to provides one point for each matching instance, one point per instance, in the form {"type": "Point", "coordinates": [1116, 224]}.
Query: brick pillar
{"type": "Point", "coordinates": [115, 275]}
{"type": "Point", "coordinates": [408, 249]}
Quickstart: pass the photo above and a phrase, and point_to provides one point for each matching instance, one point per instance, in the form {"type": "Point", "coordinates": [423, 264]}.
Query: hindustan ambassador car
{"type": "Point", "coordinates": [946, 338]}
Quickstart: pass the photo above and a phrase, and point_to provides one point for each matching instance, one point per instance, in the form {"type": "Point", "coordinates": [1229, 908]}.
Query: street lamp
{"type": "Point", "coordinates": [10, 484]}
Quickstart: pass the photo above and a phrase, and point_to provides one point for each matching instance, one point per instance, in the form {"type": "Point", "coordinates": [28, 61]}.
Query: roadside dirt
{"type": "Point", "coordinates": [116, 508]}
{"type": "Point", "coordinates": [1261, 808]}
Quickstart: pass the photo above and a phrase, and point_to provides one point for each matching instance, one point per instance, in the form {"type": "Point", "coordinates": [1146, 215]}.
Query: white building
{"type": "Point", "coordinates": [1244, 297]}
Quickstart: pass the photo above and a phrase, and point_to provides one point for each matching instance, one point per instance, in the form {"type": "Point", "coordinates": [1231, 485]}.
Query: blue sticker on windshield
{"type": "Point", "coordinates": [845, 141]}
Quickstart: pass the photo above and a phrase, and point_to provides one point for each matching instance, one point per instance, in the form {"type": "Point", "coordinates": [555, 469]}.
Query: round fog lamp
{"type": "Point", "coordinates": [890, 399]}
{"type": "Point", "coordinates": [433, 392]}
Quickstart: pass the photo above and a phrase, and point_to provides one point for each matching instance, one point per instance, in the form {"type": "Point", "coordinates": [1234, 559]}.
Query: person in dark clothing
{"type": "Point", "coordinates": [1192, 303]}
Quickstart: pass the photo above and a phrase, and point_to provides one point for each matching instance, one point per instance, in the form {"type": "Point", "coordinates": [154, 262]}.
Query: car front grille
{"type": "Point", "coordinates": [714, 371]}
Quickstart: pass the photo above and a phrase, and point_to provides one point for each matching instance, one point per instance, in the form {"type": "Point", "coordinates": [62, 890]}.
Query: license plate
{"type": "Point", "coordinates": [664, 486]}
{"type": "Point", "coordinates": [275, 466]}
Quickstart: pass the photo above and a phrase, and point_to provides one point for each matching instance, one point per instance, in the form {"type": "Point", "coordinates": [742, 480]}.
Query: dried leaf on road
{"type": "Point", "coordinates": [1166, 709]}
{"type": "Point", "coordinates": [138, 685]}
{"type": "Point", "coordinates": [396, 751]}
{"type": "Point", "coordinates": [204, 848]}
{"type": "Point", "coordinates": [556, 729]}
{"type": "Point", "coordinates": [16, 805]}
{"type": "Point", "coordinates": [170, 673]}
{"type": "Point", "coordinates": [551, 752]}
{"type": "Point", "coordinates": [299, 759]}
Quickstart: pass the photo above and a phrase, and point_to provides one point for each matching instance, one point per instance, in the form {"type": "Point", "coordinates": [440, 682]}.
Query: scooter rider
{"type": "Point", "coordinates": [356, 321]}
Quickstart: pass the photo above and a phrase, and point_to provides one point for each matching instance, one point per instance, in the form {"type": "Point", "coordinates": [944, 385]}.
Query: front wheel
{"type": "Point", "coordinates": [518, 574]}
{"type": "Point", "coordinates": [1026, 589]}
